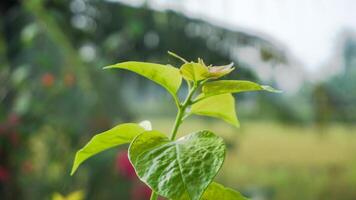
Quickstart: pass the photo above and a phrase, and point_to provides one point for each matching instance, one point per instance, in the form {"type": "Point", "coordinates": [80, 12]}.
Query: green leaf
{"type": "Point", "coordinates": [194, 71]}
{"type": "Point", "coordinates": [233, 86]}
{"type": "Point", "coordinates": [165, 75]}
{"type": "Point", "coordinates": [172, 168]}
{"type": "Point", "coordinates": [118, 135]}
{"type": "Point", "coordinates": [217, 191]}
{"type": "Point", "coordinates": [221, 106]}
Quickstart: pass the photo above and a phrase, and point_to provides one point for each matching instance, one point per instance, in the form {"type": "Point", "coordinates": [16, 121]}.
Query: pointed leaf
{"type": "Point", "coordinates": [121, 134]}
{"type": "Point", "coordinates": [172, 168]}
{"type": "Point", "coordinates": [165, 75]}
{"type": "Point", "coordinates": [221, 106]}
{"type": "Point", "coordinates": [217, 191]}
{"type": "Point", "coordinates": [233, 86]}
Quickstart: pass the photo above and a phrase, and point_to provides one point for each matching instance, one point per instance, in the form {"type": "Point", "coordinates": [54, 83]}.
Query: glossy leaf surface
{"type": "Point", "coordinates": [165, 75]}
{"type": "Point", "coordinates": [121, 134]}
{"type": "Point", "coordinates": [172, 168]}
{"type": "Point", "coordinates": [233, 86]}
{"type": "Point", "coordinates": [216, 191]}
{"type": "Point", "coordinates": [220, 106]}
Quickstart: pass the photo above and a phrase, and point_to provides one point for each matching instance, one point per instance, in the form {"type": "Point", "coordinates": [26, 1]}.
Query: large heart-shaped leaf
{"type": "Point", "coordinates": [121, 134]}
{"type": "Point", "coordinates": [221, 106]}
{"type": "Point", "coordinates": [216, 191]}
{"type": "Point", "coordinates": [172, 168]}
{"type": "Point", "coordinates": [233, 86]}
{"type": "Point", "coordinates": [165, 75]}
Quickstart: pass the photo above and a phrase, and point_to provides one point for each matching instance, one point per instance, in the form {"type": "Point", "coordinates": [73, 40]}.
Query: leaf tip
{"type": "Point", "coordinates": [75, 165]}
{"type": "Point", "coordinates": [236, 124]}
{"type": "Point", "coordinates": [271, 89]}
{"type": "Point", "coordinates": [72, 171]}
{"type": "Point", "coordinates": [108, 67]}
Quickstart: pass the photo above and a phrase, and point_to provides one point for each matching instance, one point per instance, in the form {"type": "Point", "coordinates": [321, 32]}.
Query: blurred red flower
{"type": "Point", "coordinates": [140, 192]}
{"type": "Point", "coordinates": [14, 138]}
{"type": "Point", "coordinates": [47, 79]}
{"type": "Point", "coordinates": [4, 174]}
{"type": "Point", "coordinates": [123, 165]}
{"type": "Point", "coordinates": [2, 129]}
{"type": "Point", "coordinates": [13, 119]}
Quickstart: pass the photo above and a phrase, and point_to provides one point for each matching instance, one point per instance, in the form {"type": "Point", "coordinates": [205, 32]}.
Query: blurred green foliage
{"type": "Point", "coordinates": [54, 96]}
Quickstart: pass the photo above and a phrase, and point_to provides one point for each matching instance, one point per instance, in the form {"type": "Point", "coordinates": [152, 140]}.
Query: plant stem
{"type": "Point", "coordinates": [181, 111]}
{"type": "Point", "coordinates": [179, 120]}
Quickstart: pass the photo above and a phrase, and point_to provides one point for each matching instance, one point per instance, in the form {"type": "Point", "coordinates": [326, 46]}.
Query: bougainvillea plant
{"type": "Point", "coordinates": [184, 168]}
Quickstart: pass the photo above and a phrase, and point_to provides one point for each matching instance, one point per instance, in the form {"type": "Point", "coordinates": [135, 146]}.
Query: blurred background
{"type": "Point", "coordinates": [55, 96]}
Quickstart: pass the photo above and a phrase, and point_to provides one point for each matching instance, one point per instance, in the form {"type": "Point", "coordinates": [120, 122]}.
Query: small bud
{"type": "Point", "coordinates": [219, 71]}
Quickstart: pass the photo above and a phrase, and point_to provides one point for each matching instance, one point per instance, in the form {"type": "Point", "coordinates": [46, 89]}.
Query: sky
{"type": "Point", "coordinates": [308, 29]}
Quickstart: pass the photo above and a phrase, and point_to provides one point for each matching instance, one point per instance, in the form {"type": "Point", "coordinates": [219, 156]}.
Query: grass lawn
{"type": "Point", "coordinates": [269, 160]}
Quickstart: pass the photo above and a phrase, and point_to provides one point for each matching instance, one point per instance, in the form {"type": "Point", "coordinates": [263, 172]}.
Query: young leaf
{"type": "Point", "coordinates": [172, 168]}
{"type": "Point", "coordinates": [194, 71]}
{"type": "Point", "coordinates": [233, 86]}
{"type": "Point", "coordinates": [118, 135]}
{"type": "Point", "coordinates": [220, 106]}
{"type": "Point", "coordinates": [164, 75]}
{"type": "Point", "coordinates": [219, 71]}
{"type": "Point", "coordinates": [217, 191]}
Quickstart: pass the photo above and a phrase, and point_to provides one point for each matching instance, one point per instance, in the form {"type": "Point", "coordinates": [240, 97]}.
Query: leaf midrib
{"type": "Point", "coordinates": [177, 155]}
{"type": "Point", "coordinates": [180, 168]}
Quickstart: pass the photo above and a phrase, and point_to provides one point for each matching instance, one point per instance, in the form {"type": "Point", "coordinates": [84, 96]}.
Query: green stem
{"type": "Point", "coordinates": [179, 120]}
{"type": "Point", "coordinates": [181, 111]}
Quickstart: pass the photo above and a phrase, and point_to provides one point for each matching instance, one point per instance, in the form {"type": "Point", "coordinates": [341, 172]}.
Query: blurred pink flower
{"type": "Point", "coordinates": [124, 167]}
{"type": "Point", "coordinates": [4, 174]}
{"type": "Point", "coordinates": [47, 79]}
{"type": "Point", "coordinates": [140, 192]}
{"type": "Point", "coordinates": [13, 119]}
{"type": "Point", "coordinates": [14, 138]}
{"type": "Point", "coordinates": [2, 129]}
